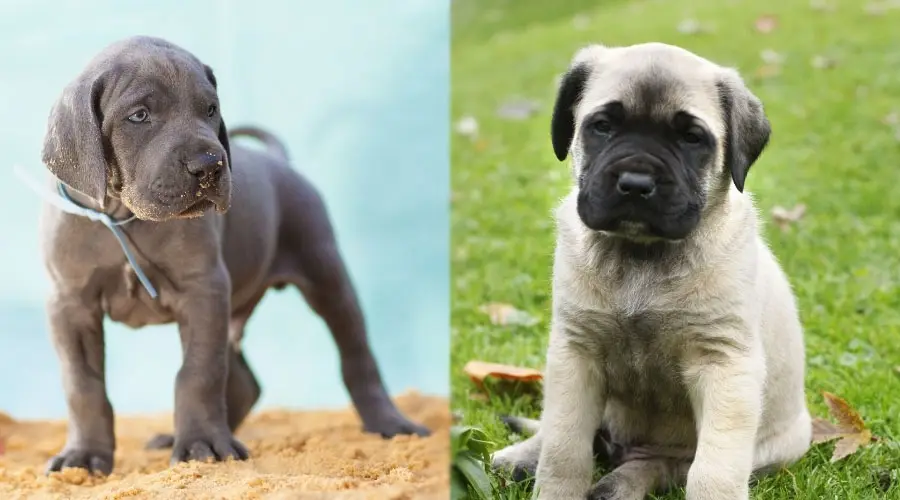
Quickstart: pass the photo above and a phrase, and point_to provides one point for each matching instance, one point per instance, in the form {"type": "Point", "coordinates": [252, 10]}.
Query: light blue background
{"type": "Point", "coordinates": [358, 89]}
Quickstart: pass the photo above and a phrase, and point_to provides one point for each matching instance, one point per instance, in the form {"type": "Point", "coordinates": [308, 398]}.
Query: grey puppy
{"type": "Point", "coordinates": [675, 339]}
{"type": "Point", "coordinates": [139, 133]}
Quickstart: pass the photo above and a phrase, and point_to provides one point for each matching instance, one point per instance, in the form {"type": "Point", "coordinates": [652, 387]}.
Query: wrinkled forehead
{"type": "Point", "coordinates": [159, 70]}
{"type": "Point", "coordinates": [656, 87]}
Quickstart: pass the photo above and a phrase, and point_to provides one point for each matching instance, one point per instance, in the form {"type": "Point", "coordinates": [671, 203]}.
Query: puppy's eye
{"type": "Point", "coordinates": [211, 112]}
{"type": "Point", "coordinates": [601, 127]}
{"type": "Point", "coordinates": [692, 136]}
{"type": "Point", "coordinates": [139, 116]}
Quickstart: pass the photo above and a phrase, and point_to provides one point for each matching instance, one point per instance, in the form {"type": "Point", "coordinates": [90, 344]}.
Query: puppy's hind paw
{"type": "Point", "coordinates": [160, 442]}
{"type": "Point", "coordinates": [99, 463]}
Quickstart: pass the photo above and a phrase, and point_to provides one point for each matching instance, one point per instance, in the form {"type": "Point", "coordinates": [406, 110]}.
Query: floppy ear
{"type": "Point", "coordinates": [73, 147]}
{"type": "Point", "coordinates": [747, 128]}
{"type": "Point", "coordinates": [562, 124]}
{"type": "Point", "coordinates": [223, 131]}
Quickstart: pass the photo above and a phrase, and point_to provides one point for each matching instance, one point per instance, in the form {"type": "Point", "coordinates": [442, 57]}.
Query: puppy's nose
{"type": "Point", "coordinates": [206, 165]}
{"type": "Point", "coordinates": [637, 184]}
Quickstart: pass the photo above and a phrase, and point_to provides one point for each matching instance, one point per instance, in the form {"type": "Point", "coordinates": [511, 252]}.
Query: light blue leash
{"type": "Point", "coordinates": [65, 203]}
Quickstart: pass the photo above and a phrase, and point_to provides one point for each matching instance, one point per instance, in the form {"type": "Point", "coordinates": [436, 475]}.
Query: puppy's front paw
{"type": "Point", "coordinates": [95, 462]}
{"type": "Point", "coordinates": [210, 447]}
{"type": "Point", "coordinates": [710, 482]}
{"type": "Point", "coordinates": [521, 467]}
{"type": "Point", "coordinates": [395, 425]}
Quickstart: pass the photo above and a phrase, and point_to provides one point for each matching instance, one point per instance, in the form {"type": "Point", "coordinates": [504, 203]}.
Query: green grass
{"type": "Point", "coordinates": [830, 150]}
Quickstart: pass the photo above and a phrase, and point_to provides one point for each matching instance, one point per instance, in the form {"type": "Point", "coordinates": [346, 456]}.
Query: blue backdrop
{"type": "Point", "coordinates": [359, 92]}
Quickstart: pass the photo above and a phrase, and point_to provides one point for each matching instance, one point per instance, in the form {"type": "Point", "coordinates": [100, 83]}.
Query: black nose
{"type": "Point", "coordinates": [633, 183]}
{"type": "Point", "coordinates": [205, 165]}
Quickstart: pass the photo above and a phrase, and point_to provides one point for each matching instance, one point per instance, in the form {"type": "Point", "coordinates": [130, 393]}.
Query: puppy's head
{"type": "Point", "coordinates": [142, 124]}
{"type": "Point", "coordinates": [658, 136]}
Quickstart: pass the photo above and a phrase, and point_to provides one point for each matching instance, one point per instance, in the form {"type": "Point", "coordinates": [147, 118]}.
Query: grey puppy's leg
{"type": "Point", "coordinates": [242, 390]}
{"type": "Point", "coordinates": [313, 258]}
{"type": "Point", "coordinates": [77, 333]}
{"type": "Point", "coordinates": [201, 420]}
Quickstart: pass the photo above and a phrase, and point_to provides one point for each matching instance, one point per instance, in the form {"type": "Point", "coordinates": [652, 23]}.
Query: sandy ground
{"type": "Point", "coordinates": [302, 455]}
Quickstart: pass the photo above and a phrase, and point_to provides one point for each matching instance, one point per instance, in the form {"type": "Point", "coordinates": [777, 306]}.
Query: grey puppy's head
{"type": "Point", "coordinates": [658, 137]}
{"type": "Point", "coordinates": [141, 123]}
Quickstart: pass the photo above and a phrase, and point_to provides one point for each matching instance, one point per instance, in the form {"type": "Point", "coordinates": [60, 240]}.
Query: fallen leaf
{"type": "Point", "coordinates": [850, 429]}
{"type": "Point", "coordinates": [467, 126]}
{"type": "Point", "coordinates": [505, 314]}
{"type": "Point", "coordinates": [784, 217]}
{"type": "Point", "coordinates": [478, 371]}
{"type": "Point", "coordinates": [766, 23]}
{"type": "Point", "coordinates": [519, 109]}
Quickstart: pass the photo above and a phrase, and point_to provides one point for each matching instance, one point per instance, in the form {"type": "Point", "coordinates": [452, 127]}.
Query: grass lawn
{"type": "Point", "coordinates": [830, 80]}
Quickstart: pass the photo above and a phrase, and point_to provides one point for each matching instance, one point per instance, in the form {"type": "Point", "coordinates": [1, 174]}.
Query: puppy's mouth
{"type": "Point", "coordinates": [196, 210]}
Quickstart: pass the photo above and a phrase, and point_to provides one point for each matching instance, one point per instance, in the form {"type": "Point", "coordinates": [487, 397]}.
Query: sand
{"type": "Point", "coordinates": [295, 455]}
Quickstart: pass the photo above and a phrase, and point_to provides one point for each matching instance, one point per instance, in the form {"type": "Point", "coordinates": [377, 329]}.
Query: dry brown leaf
{"type": "Point", "coordinates": [766, 23]}
{"type": "Point", "coordinates": [505, 314]}
{"type": "Point", "coordinates": [824, 431]}
{"type": "Point", "coordinates": [843, 412]}
{"type": "Point", "coordinates": [478, 371]}
{"type": "Point", "coordinates": [784, 217]}
{"type": "Point", "coordinates": [850, 429]}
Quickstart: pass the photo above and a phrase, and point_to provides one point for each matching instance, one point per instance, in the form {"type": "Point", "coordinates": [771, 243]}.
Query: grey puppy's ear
{"type": "Point", "coordinates": [562, 124]}
{"type": "Point", "coordinates": [223, 131]}
{"type": "Point", "coordinates": [747, 129]}
{"type": "Point", "coordinates": [73, 146]}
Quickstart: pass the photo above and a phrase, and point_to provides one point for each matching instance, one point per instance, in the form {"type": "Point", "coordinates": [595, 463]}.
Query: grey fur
{"type": "Point", "coordinates": [211, 269]}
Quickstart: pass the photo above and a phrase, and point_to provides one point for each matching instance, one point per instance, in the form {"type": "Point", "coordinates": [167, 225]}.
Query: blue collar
{"type": "Point", "coordinates": [62, 201]}
{"type": "Point", "coordinates": [75, 208]}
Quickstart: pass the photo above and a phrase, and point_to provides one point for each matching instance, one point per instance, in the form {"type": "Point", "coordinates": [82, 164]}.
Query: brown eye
{"type": "Point", "coordinates": [601, 127]}
{"type": "Point", "coordinates": [139, 116]}
{"type": "Point", "coordinates": [211, 112]}
{"type": "Point", "coordinates": [692, 136]}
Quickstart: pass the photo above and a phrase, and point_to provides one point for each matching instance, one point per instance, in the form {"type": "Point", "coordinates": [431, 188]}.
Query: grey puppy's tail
{"type": "Point", "coordinates": [521, 425]}
{"type": "Point", "coordinates": [273, 144]}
